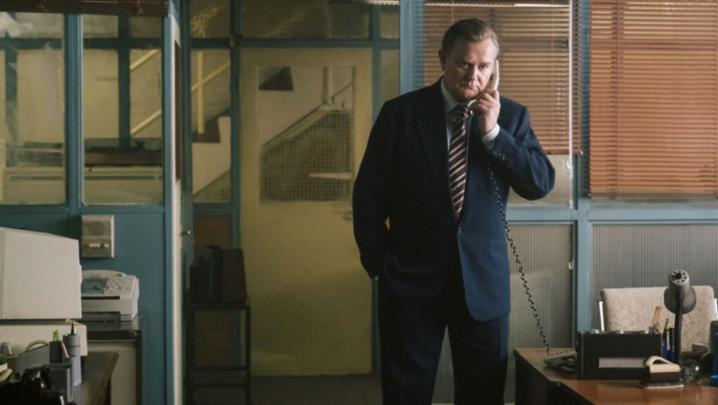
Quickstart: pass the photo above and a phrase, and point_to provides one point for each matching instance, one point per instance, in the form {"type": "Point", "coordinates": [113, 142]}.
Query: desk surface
{"type": "Point", "coordinates": [600, 392]}
{"type": "Point", "coordinates": [96, 377]}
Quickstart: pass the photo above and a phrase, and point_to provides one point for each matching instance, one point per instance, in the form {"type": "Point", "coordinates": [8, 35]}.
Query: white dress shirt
{"type": "Point", "coordinates": [450, 104]}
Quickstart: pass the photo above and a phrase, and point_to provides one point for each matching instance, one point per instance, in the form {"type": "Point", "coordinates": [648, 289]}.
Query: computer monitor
{"type": "Point", "coordinates": [40, 276]}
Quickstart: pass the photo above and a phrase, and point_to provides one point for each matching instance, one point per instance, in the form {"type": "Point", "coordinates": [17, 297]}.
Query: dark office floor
{"type": "Point", "coordinates": [353, 390]}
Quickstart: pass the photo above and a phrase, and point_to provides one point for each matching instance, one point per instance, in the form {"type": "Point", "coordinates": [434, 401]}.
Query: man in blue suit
{"type": "Point", "coordinates": [437, 174]}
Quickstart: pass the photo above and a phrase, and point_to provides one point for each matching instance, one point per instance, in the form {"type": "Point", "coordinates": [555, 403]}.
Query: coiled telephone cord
{"type": "Point", "coordinates": [522, 274]}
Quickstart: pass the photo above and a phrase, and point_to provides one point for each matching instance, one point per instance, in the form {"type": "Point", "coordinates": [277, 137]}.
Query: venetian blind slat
{"type": "Point", "coordinates": [654, 98]}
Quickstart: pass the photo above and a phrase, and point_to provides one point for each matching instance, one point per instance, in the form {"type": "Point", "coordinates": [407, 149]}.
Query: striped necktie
{"type": "Point", "coordinates": [457, 158]}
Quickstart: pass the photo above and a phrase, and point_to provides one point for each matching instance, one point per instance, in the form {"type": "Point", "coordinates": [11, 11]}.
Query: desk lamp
{"type": "Point", "coordinates": [679, 298]}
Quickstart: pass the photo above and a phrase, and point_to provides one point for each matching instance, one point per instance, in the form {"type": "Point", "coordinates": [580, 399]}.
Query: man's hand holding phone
{"type": "Point", "coordinates": [487, 106]}
{"type": "Point", "coordinates": [488, 103]}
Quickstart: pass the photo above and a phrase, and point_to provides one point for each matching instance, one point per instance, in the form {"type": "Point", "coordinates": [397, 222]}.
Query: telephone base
{"type": "Point", "coordinates": [559, 357]}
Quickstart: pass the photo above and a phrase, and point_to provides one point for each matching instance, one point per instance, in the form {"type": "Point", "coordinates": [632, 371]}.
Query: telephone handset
{"type": "Point", "coordinates": [493, 84]}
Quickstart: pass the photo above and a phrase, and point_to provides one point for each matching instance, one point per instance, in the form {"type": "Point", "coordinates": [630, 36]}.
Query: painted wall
{"type": "Point", "coordinates": [211, 160]}
{"type": "Point", "coordinates": [41, 72]}
{"type": "Point", "coordinates": [55, 223]}
{"type": "Point", "coordinates": [311, 300]}
{"type": "Point", "coordinates": [279, 110]}
{"type": "Point", "coordinates": [100, 88]}
{"type": "Point", "coordinates": [286, 107]}
{"type": "Point", "coordinates": [139, 250]}
{"type": "Point", "coordinates": [145, 93]}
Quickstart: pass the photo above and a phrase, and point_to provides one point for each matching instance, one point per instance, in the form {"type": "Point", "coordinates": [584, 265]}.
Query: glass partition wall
{"type": "Point", "coordinates": [122, 110]}
{"type": "Point", "coordinates": [80, 102]}
{"type": "Point", "coordinates": [32, 100]}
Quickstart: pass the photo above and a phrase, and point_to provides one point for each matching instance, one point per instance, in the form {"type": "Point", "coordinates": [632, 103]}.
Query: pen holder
{"type": "Point", "coordinates": [72, 344]}
{"type": "Point", "coordinates": [62, 380]}
{"type": "Point", "coordinates": [56, 354]}
{"type": "Point", "coordinates": [5, 349]}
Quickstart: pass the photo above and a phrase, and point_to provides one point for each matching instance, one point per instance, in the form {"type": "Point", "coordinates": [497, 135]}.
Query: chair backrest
{"type": "Point", "coordinates": [633, 308]}
{"type": "Point", "coordinates": [217, 275]}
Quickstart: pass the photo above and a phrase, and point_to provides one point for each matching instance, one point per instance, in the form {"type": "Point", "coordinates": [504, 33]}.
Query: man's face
{"type": "Point", "coordinates": [467, 68]}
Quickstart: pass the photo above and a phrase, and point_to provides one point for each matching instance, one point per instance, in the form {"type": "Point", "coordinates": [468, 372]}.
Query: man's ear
{"type": "Point", "coordinates": [442, 59]}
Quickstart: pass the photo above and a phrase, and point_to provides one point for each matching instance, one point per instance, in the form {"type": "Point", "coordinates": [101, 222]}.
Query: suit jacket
{"type": "Point", "coordinates": [404, 177]}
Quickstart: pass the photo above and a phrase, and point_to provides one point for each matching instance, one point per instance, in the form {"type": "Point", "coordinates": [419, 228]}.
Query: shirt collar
{"type": "Point", "coordinates": [448, 101]}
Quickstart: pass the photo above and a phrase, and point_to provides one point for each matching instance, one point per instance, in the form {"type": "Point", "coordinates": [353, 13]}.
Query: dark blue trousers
{"type": "Point", "coordinates": [411, 337]}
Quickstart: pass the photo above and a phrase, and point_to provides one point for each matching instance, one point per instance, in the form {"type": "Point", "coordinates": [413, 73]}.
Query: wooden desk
{"type": "Point", "coordinates": [95, 388]}
{"type": "Point", "coordinates": [539, 384]}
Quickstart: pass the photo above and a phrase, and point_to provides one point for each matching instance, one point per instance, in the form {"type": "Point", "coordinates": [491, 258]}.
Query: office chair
{"type": "Point", "coordinates": [632, 309]}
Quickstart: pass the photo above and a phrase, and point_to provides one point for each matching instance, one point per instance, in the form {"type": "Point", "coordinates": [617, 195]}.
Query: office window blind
{"type": "Point", "coordinates": [578, 90]}
{"type": "Point", "coordinates": [535, 58]}
{"type": "Point", "coordinates": [148, 8]}
{"type": "Point", "coordinates": [653, 98]}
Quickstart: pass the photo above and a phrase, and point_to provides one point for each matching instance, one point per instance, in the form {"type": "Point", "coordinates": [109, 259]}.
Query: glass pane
{"type": "Point", "coordinates": [32, 101]}
{"type": "Point", "coordinates": [99, 26]}
{"type": "Point", "coordinates": [305, 151]}
{"type": "Point", "coordinates": [298, 118]}
{"type": "Point", "coordinates": [304, 19]}
{"type": "Point", "coordinates": [101, 99]}
{"type": "Point", "coordinates": [545, 251]}
{"type": "Point", "coordinates": [638, 256]}
{"type": "Point", "coordinates": [389, 75]}
{"type": "Point", "coordinates": [212, 230]}
{"type": "Point", "coordinates": [562, 193]}
{"type": "Point", "coordinates": [210, 18]}
{"type": "Point", "coordinates": [34, 25]}
{"type": "Point", "coordinates": [211, 135]}
{"type": "Point", "coordinates": [146, 94]}
{"type": "Point", "coordinates": [390, 22]}
{"type": "Point", "coordinates": [101, 127]}
{"type": "Point", "coordinates": [123, 166]}
{"type": "Point", "coordinates": [144, 27]}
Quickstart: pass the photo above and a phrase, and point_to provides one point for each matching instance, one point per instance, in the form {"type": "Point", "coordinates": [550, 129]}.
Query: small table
{"type": "Point", "coordinates": [537, 383]}
{"type": "Point", "coordinates": [96, 387]}
{"type": "Point", "coordinates": [192, 381]}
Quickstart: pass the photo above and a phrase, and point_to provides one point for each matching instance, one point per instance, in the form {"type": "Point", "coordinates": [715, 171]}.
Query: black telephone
{"type": "Point", "coordinates": [493, 84]}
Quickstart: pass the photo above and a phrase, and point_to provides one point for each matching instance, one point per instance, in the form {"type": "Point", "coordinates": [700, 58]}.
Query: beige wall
{"type": "Point", "coordinates": [146, 93]}
{"type": "Point", "coordinates": [211, 160]}
{"type": "Point", "coordinates": [311, 300]}
{"type": "Point", "coordinates": [277, 110]}
{"type": "Point", "coordinates": [40, 80]}
{"type": "Point", "coordinates": [101, 110]}
{"type": "Point", "coordinates": [215, 91]}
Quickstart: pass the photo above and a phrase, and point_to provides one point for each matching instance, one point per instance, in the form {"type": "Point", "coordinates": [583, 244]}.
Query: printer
{"type": "Point", "coordinates": [107, 292]}
{"type": "Point", "coordinates": [40, 277]}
